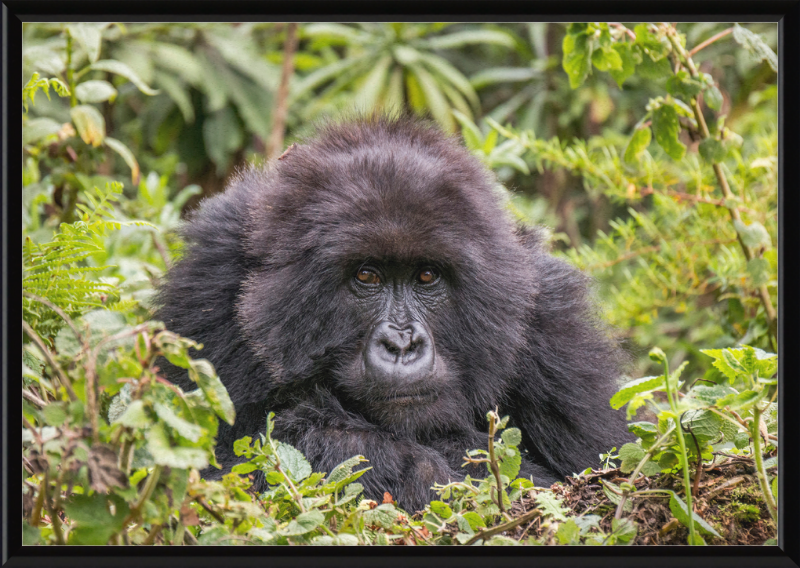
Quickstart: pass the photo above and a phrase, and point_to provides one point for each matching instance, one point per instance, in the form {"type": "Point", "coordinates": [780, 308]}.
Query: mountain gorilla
{"type": "Point", "coordinates": [371, 289]}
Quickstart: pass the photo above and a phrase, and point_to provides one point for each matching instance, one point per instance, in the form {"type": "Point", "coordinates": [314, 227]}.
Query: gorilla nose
{"type": "Point", "coordinates": [396, 352]}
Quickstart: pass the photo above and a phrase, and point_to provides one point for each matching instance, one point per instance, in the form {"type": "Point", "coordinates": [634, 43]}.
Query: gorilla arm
{"type": "Point", "coordinates": [560, 398]}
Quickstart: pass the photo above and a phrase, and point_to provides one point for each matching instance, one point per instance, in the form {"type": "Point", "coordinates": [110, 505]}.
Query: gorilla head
{"type": "Point", "coordinates": [371, 289]}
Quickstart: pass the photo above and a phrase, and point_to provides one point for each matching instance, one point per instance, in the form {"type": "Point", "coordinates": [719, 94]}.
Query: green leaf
{"type": "Point", "coordinates": [510, 464]}
{"type": "Point", "coordinates": [202, 373]}
{"type": "Point", "coordinates": [704, 424]}
{"type": "Point", "coordinates": [344, 469]}
{"type": "Point", "coordinates": [383, 515]}
{"type": "Point", "coordinates": [683, 86]}
{"type": "Point", "coordinates": [577, 57]}
{"type": "Point", "coordinates": [681, 512]}
{"type": "Point", "coordinates": [442, 509]}
{"type": "Point", "coordinates": [568, 532]}
{"type": "Point", "coordinates": [712, 150]}
{"type": "Point", "coordinates": [121, 69]}
{"type": "Point", "coordinates": [638, 144]}
{"type": "Point", "coordinates": [163, 453]}
{"type": "Point", "coordinates": [89, 36]}
{"type": "Point", "coordinates": [474, 519]}
{"type": "Point", "coordinates": [607, 59]}
{"type": "Point", "coordinates": [624, 529]}
{"type": "Point", "coordinates": [629, 60]}
{"type": "Point", "coordinates": [222, 136]}
{"type": "Point", "coordinates": [666, 128]}
{"type": "Point", "coordinates": [656, 46]}
{"type": "Point", "coordinates": [754, 44]}
{"type": "Point", "coordinates": [92, 515]}
{"type": "Point", "coordinates": [643, 429]}
{"type": "Point", "coordinates": [649, 69]}
{"type": "Point", "coordinates": [709, 394]}
{"type": "Point", "coordinates": [744, 399]}
{"type": "Point", "coordinates": [247, 467]}
{"type": "Point", "coordinates": [89, 123]}
{"type": "Point", "coordinates": [634, 387]}
{"type": "Point", "coordinates": [713, 97]}
{"type": "Point", "coordinates": [759, 271]}
{"type": "Point", "coordinates": [512, 436]}
{"type": "Point", "coordinates": [191, 432]}
{"type": "Point", "coordinates": [470, 37]}
{"type": "Point", "coordinates": [552, 505]}
{"type": "Point", "coordinates": [369, 93]}
{"type": "Point", "coordinates": [435, 100]}
{"type": "Point", "coordinates": [754, 234]}
{"type": "Point", "coordinates": [126, 155]}
{"type": "Point", "coordinates": [495, 75]}
{"type": "Point", "coordinates": [39, 128]}
{"type": "Point", "coordinates": [630, 454]}
{"type": "Point", "coordinates": [55, 414]}
{"type": "Point", "coordinates": [95, 91]}
{"type": "Point", "coordinates": [304, 523]}
{"type": "Point", "coordinates": [293, 461]}
{"type": "Point", "coordinates": [134, 416]}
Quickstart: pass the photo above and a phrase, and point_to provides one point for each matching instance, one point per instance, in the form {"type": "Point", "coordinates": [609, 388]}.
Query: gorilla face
{"type": "Point", "coordinates": [371, 289]}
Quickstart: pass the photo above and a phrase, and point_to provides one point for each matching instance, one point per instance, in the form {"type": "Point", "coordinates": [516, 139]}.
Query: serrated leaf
{"type": "Point", "coordinates": [759, 271]}
{"type": "Point", "coordinates": [304, 523]}
{"type": "Point", "coordinates": [709, 394]}
{"type": "Point", "coordinates": [293, 461]}
{"type": "Point", "coordinates": [344, 469]}
{"type": "Point", "coordinates": [630, 454]}
{"type": "Point", "coordinates": [509, 465]}
{"type": "Point", "coordinates": [744, 399]}
{"type": "Point", "coordinates": [89, 123]}
{"type": "Point", "coordinates": [512, 436]}
{"type": "Point", "coordinates": [134, 416]}
{"type": "Point", "coordinates": [122, 69]}
{"type": "Point", "coordinates": [754, 44]}
{"type": "Point", "coordinates": [649, 69]}
{"type": "Point", "coordinates": [552, 506]}
{"type": "Point", "coordinates": [634, 387]}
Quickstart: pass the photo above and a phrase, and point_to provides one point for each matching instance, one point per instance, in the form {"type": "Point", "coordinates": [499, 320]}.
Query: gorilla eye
{"type": "Point", "coordinates": [367, 276]}
{"type": "Point", "coordinates": [427, 276]}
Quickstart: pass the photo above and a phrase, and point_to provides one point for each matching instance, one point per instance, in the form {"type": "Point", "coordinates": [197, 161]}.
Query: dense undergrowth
{"type": "Point", "coordinates": [111, 450]}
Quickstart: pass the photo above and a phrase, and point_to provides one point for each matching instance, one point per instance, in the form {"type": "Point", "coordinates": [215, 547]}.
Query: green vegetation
{"type": "Point", "coordinates": [650, 151]}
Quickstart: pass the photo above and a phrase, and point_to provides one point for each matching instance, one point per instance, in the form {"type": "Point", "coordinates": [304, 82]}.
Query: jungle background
{"type": "Point", "coordinates": [648, 150]}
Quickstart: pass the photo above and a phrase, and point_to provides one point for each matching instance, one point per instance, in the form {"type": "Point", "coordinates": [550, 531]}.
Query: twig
{"type": "Point", "coordinates": [161, 250]}
{"type": "Point", "coordinates": [504, 527]}
{"type": "Point", "coordinates": [202, 502]}
{"type": "Point", "coordinates": [282, 97]}
{"type": "Point", "coordinates": [33, 398]}
{"type": "Point", "coordinates": [697, 198]}
{"type": "Point", "coordinates": [709, 41]}
{"type": "Point", "coordinates": [763, 292]}
{"type": "Point", "coordinates": [62, 377]}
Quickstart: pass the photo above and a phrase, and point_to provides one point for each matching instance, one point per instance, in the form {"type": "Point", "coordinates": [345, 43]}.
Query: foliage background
{"type": "Point", "coordinates": [133, 124]}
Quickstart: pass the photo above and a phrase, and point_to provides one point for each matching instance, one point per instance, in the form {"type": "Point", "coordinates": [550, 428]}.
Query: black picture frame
{"type": "Point", "coordinates": [785, 13]}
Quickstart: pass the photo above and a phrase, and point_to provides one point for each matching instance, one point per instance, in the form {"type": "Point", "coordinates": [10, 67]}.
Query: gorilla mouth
{"type": "Point", "coordinates": [405, 399]}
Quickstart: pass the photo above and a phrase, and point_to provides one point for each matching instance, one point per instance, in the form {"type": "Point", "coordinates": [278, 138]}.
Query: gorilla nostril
{"type": "Point", "coordinates": [399, 353]}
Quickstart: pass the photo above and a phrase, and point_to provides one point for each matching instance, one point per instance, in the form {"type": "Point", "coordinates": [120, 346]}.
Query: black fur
{"type": "Point", "coordinates": [267, 285]}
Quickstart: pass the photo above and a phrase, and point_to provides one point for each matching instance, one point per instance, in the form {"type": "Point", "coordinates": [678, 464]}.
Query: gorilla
{"type": "Point", "coordinates": [372, 290]}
